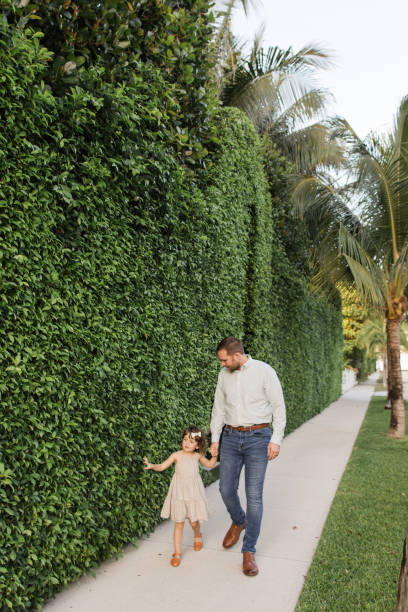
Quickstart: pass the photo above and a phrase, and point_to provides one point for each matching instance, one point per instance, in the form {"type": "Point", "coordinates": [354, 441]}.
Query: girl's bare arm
{"type": "Point", "coordinates": [159, 467]}
{"type": "Point", "coordinates": [208, 463]}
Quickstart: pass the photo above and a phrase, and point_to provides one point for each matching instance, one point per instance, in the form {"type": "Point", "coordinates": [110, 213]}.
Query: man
{"type": "Point", "coordinates": [248, 397]}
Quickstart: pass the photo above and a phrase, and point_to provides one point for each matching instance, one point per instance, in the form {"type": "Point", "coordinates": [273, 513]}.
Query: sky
{"type": "Point", "coordinates": [368, 40]}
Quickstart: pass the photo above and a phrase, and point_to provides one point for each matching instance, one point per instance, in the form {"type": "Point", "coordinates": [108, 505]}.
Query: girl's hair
{"type": "Point", "coordinates": [198, 435]}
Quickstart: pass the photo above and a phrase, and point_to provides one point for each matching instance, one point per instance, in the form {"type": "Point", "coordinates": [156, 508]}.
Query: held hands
{"type": "Point", "coordinates": [273, 450]}
{"type": "Point", "coordinates": [214, 449]}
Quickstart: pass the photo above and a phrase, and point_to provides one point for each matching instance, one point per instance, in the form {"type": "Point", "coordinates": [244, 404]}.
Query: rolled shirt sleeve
{"type": "Point", "coordinates": [218, 411]}
{"type": "Point", "coordinates": [274, 393]}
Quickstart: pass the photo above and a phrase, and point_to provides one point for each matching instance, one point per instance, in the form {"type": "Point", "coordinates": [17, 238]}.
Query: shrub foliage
{"type": "Point", "coordinates": [172, 36]}
{"type": "Point", "coordinates": [119, 275]}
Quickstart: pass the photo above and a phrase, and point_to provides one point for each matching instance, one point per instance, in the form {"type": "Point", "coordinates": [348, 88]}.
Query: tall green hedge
{"type": "Point", "coordinates": [119, 275]}
{"type": "Point", "coordinates": [299, 334]}
{"type": "Point", "coordinates": [173, 37]}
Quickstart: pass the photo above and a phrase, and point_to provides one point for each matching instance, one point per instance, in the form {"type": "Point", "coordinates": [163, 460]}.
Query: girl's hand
{"type": "Point", "coordinates": [148, 466]}
{"type": "Point", "coordinates": [159, 467]}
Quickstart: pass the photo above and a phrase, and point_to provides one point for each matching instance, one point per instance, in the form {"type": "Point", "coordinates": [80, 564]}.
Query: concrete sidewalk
{"type": "Point", "coordinates": [299, 489]}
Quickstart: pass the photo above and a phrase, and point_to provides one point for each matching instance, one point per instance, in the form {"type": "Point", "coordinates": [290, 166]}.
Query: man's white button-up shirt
{"type": "Point", "coordinates": [248, 396]}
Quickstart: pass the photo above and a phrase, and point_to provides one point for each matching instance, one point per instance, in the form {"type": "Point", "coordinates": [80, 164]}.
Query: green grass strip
{"type": "Point", "coordinates": [357, 562]}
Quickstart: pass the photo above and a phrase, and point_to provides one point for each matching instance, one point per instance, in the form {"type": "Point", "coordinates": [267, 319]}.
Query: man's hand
{"type": "Point", "coordinates": [273, 450]}
{"type": "Point", "coordinates": [214, 449]}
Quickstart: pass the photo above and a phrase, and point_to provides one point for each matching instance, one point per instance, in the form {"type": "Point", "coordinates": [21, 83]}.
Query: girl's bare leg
{"type": "Point", "coordinates": [198, 541]}
{"type": "Point", "coordinates": [178, 537]}
{"type": "Point", "coordinates": [196, 528]}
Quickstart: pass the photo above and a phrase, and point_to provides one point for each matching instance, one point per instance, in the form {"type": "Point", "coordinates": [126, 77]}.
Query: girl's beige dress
{"type": "Point", "coordinates": [186, 497]}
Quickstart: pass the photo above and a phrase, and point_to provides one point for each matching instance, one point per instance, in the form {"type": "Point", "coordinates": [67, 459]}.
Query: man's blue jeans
{"type": "Point", "coordinates": [249, 449]}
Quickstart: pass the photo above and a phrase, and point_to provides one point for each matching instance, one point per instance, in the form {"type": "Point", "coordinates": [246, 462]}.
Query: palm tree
{"type": "Point", "coordinates": [276, 89]}
{"type": "Point", "coordinates": [375, 250]}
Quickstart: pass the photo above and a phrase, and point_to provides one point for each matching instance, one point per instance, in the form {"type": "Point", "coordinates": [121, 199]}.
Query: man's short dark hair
{"type": "Point", "coordinates": [231, 345]}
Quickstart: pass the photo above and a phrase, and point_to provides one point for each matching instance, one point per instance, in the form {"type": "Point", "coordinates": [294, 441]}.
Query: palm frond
{"type": "Point", "coordinates": [256, 43]}
{"type": "Point", "coordinates": [275, 59]}
{"type": "Point", "coordinates": [382, 174]}
{"type": "Point", "coordinates": [269, 66]}
{"type": "Point", "coordinates": [277, 103]}
{"type": "Point", "coordinates": [311, 148]}
{"type": "Point", "coordinates": [370, 279]}
{"type": "Point", "coordinates": [400, 134]}
{"type": "Point", "coordinates": [320, 200]}
{"type": "Point", "coordinates": [313, 56]}
{"type": "Point", "coordinates": [372, 335]}
{"type": "Point", "coordinates": [299, 104]}
{"type": "Point", "coordinates": [258, 98]}
{"type": "Point", "coordinates": [330, 269]}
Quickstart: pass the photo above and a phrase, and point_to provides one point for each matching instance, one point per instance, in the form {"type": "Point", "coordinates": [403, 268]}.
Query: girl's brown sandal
{"type": "Point", "coordinates": [175, 560]}
{"type": "Point", "coordinates": [198, 542]}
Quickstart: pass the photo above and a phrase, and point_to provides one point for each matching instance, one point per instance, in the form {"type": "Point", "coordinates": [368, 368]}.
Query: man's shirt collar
{"type": "Point", "coordinates": [247, 363]}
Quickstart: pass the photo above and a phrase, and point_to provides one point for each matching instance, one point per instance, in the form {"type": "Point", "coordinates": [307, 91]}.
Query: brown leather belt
{"type": "Point", "coordinates": [249, 428]}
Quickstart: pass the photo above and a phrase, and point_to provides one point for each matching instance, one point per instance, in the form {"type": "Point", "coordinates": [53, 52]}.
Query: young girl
{"type": "Point", "coordinates": [186, 497]}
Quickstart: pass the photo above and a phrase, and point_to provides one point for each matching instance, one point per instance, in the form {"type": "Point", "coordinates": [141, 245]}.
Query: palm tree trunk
{"type": "Point", "coordinates": [402, 599]}
{"type": "Point", "coordinates": [397, 423]}
{"type": "Point", "coordinates": [388, 380]}
{"type": "Point", "coordinates": [385, 369]}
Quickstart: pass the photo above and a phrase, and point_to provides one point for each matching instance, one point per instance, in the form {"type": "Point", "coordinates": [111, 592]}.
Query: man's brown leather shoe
{"type": "Point", "coordinates": [232, 535]}
{"type": "Point", "coordinates": [249, 566]}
